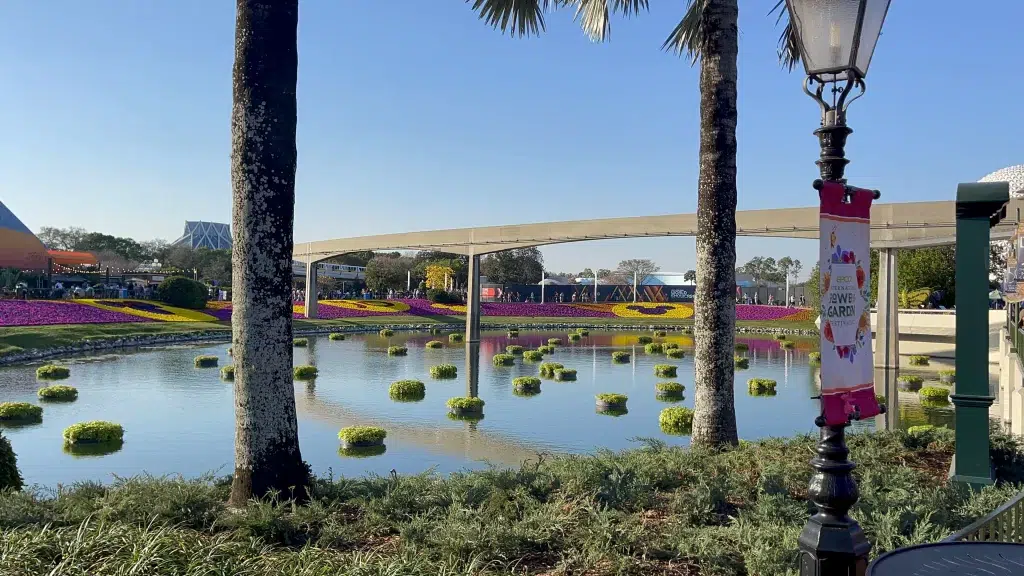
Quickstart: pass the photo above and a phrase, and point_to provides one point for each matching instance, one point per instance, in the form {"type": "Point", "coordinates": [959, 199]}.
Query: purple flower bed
{"type": "Point", "coordinates": [754, 312]}
{"type": "Point", "coordinates": [43, 312]}
{"type": "Point", "coordinates": [546, 310]}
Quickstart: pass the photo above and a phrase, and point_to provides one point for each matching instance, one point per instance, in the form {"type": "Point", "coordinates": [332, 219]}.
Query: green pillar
{"type": "Point", "coordinates": [978, 207]}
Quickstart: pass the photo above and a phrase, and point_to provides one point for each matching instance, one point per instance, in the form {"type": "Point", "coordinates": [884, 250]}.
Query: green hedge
{"type": "Point", "coordinates": [444, 371]}
{"type": "Point", "coordinates": [565, 374]}
{"type": "Point", "coordinates": [183, 293]}
{"type": "Point", "coordinates": [514, 349]}
{"type": "Point", "coordinates": [434, 344]}
{"type": "Point", "coordinates": [205, 361]}
{"type": "Point", "coordinates": [465, 404]}
{"type": "Point", "coordinates": [439, 296]}
{"type": "Point", "coordinates": [919, 360]}
{"type": "Point", "coordinates": [934, 393]}
{"type": "Point", "coordinates": [300, 342]}
{"type": "Point", "coordinates": [20, 412]}
{"type": "Point", "coordinates": [653, 348]}
{"type": "Point", "coordinates": [58, 393]}
{"type": "Point", "coordinates": [503, 360]}
{"type": "Point", "coordinates": [228, 372]}
{"type": "Point", "coordinates": [397, 350]}
{"type": "Point", "coordinates": [93, 432]}
{"type": "Point", "coordinates": [761, 386]}
{"type": "Point", "coordinates": [612, 400]}
{"type": "Point", "coordinates": [533, 355]}
{"type": "Point", "coordinates": [676, 420]}
{"type": "Point", "coordinates": [359, 436]}
{"type": "Point", "coordinates": [547, 369]}
{"type": "Point", "coordinates": [675, 353]}
{"type": "Point", "coordinates": [665, 371]}
{"type": "Point", "coordinates": [306, 372]}
{"type": "Point", "coordinates": [620, 356]}
{"type": "Point", "coordinates": [336, 336]}
{"type": "Point", "coordinates": [10, 477]}
{"type": "Point", "coordinates": [386, 332]}
{"type": "Point", "coordinates": [741, 362]}
{"type": "Point", "coordinates": [526, 384]}
{"type": "Point", "coordinates": [53, 372]}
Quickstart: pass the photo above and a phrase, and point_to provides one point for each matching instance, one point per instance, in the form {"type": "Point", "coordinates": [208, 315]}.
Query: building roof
{"type": "Point", "coordinates": [199, 234]}
{"type": "Point", "coordinates": [19, 247]}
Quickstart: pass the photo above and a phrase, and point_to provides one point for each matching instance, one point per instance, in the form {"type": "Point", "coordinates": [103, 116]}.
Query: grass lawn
{"type": "Point", "coordinates": [24, 337]}
{"type": "Point", "coordinates": [651, 510]}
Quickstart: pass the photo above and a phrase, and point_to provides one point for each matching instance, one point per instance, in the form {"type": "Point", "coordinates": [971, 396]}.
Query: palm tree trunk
{"type": "Point", "coordinates": [263, 118]}
{"type": "Point", "coordinates": [714, 422]}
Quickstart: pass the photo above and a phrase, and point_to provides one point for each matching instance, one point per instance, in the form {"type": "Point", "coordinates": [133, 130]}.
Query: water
{"type": "Point", "coordinates": [179, 419]}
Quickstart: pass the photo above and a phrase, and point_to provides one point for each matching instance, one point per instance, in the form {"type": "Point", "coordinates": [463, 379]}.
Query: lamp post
{"type": "Point", "coordinates": [836, 40]}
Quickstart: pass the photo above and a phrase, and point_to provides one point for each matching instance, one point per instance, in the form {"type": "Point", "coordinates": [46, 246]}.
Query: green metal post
{"type": "Point", "coordinates": [978, 207]}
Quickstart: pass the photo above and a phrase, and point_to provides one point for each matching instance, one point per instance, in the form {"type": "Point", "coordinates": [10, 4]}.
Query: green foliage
{"type": "Point", "coordinates": [397, 350]}
{"type": "Point", "coordinates": [620, 356]}
{"type": "Point", "coordinates": [814, 357]}
{"type": "Point", "coordinates": [336, 336]}
{"type": "Point", "coordinates": [434, 344]}
{"type": "Point", "coordinates": [669, 388]}
{"type": "Point", "coordinates": [547, 369]}
{"type": "Point", "coordinates": [456, 337]}
{"type": "Point", "coordinates": [674, 353]}
{"type": "Point", "coordinates": [53, 372]}
{"type": "Point", "coordinates": [919, 360]}
{"type": "Point", "coordinates": [660, 333]}
{"type": "Point", "coordinates": [741, 362]}
{"type": "Point", "coordinates": [909, 382]}
{"type": "Point", "coordinates": [934, 393]}
{"type": "Point", "coordinates": [741, 347]}
{"type": "Point", "coordinates": [880, 398]}
{"type": "Point", "coordinates": [206, 361]}
{"type": "Point", "coordinates": [444, 371]}
{"type": "Point", "coordinates": [921, 270]}
{"type": "Point", "coordinates": [564, 374]}
{"type": "Point", "coordinates": [947, 376]}
{"type": "Point", "coordinates": [812, 288]}
{"type": "Point", "coordinates": [386, 332]}
{"type": "Point", "coordinates": [611, 399]}
{"type": "Point", "coordinates": [503, 360]}
{"type": "Point", "coordinates": [10, 477]}
{"type": "Point", "coordinates": [780, 336]}
{"type": "Point", "coordinates": [676, 420]}
{"type": "Point", "coordinates": [388, 271]}
{"type": "Point", "coordinates": [93, 432]}
{"type": "Point", "coordinates": [787, 344]}
{"type": "Point", "coordinates": [439, 296]}
{"type": "Point", "coordinates": [574, 337]}
{"type": "Point", "coordinates": [513, 333]}
{"type": "Point", "coordinates": [362, 435]}
{"type": "Point", "coordinates": [761, 386]}
{"type": "Point", "coordinates": [435, 331]}
{"type": "Point", "coordinates": [183, 293]}
{"type": "Point", "coordinates": [465, 404]}
{"type": "Point", "coordinates": [518, 266]}
{"type": "Point", "coordinates": [514, 349]}
{"type": "Point", "coordinates": [228, 372]}
{"type": "Point", "coordinates": [300, 342]}
{"type": "Point", "coordinates": [644, 339]}
{"type": "Point", "coordinates": [920, 430]}
{"type": "Point", "coordinates": [526, 384]}
{"type": "Point", "coordinates": [913, 298]}
{"type": "Point", "coordinates": [666, 346]}
{"type": "Point", "coordinates": [653, 348]}
{"type": "Point", "coordinates": [361, 451]}
{"type": "Point", "coordinates": [20, 412]}
{"type": "Point", "coordinates": [583, 332]}
{"type": "Point", "coordinates": [407, 390]}
{"type": "Point", "coordinates": [554, 341]}
{"type": "Point", "coordinates": [306, 372]}
{"type": "Point", "coordinates": [547, 349]}
{"type": "Point", "coordinates": [533, 355]}
{"type": "Point", "coordinates": [58, 393]}
{"type": "Point", "coordinates": [665, 370]}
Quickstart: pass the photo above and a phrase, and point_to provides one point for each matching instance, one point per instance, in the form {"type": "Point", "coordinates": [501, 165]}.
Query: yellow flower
{"type": "Point", "coordinates": [653, 310]}
{"type": "Point", "coordinates": [369, 305]}
{"type": "Point", "coordinates": [453, 307]}
{"type": "Point", "coordinates": [149, 309]}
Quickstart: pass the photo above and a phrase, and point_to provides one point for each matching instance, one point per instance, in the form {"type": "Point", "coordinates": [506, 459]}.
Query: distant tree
{"type": "Point", "coordinates": [352, 258]}
{"type": "Point", "coordinates": [690, 276]}
{"type": "Point", "coordinates": [61, 238]}
{"type": "Point", "coordinates": [932, 268]}
{"type": "Point", "coordinates": [586, 273]}
{"type": "Point", "coordinates": [155, 249]}
{"type": "Point", "coordinates": [761, 270]}
{"type": "Point", "coordinates": [997, 253]}
{"type": "Point", "coordinates": [385, 272]}
{"type": "Point", "coordinates": [519, 266]}
{"type": "Point", "coordinates": [812, 289]}
{"type": "Point", "coordinates": [641, 267]}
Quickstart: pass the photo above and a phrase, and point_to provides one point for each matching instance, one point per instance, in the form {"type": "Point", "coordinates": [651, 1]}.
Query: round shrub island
{"type": "Point", "coordinates": [919, 360]}
{"type": "Point", "coordinates": [666, 346]}
{"type": "Point", "coordinates": [547, 369]}
{"type": "Point", "coordinates": [674, 353]}
{"type": "Point", "coordinates": [741, 347]}
{"type": "Point", "coordinates": [336, 336]}
{"type": "Point", "coordinates": [660, 333]}
{"type": "Point", "coordinates": [228, 372]}
{"type": "Point", "coordinates": [462, 405]}
{"type": "Point", "coordinates": [761, 387]}
{"type": "Point", "coordinates": [934, 394]}
{"type": "Point", "coordinates": [610, 401]}
{"type": "Point", "coordinates": [565, 374]}
{"type": "Point", "coordinates": [206, 361]}
{"type": "Point", "coordinates": [814, 357]}
{"type": "Point", "coordinates": [554, 341]}
{"type": "Point", "coordinates": [644, 339]}
{"type": "Point", "coordinates": [456, 337]}
{"type": "Point", "coordinates": [306, 372]}
{"type": "Point", "coordinates": [513, 333]}
{"type": "Point", "coordinates": [300, 342]}
{"type": "Point", "coordinates": [362, 436]}
{"type": "Point", "coordinates": [665, 371]}
{"type": "Point", "coordinates": [669, 389]}
{"type": "Point", "coordinates": [741, 362]}
{"type": "Point", "coordinates": [58, 393]}
{"type": "Point", "coordinates": [444, 371]}
{"type": "Point", "coordinates": [546, 349]}
{"type": "Point", "coordinates": [909, 382]}
{"type": "Point", "coordinates": [533, 355]}
{"type": "Point", "coordinates": [676, 420]}
{"type": "Point", "coordinates": [514, 349]}
{"type": "Point", "coordinates": [407, 391]}
{"type": "Point", "coordinates": [503, 360]}
{"type": "Point", "coordinates": [397, 350]}
{"type": "Point", "coordinates": [583, 332]}
{"type": "Point", "coordinates": [947, 376]}
{"type": "Point", "coordinates": [653, 348]}
{"type": "Point", "coordinates": [526, 385]}
{"type": "Point", "coordinates": [620, 356]}
{"type": "Point", "coordinates": [386, 332]}
{"type": "Point", "coordinates": [433, 344]}
{"type": "Point", "coordinates": [787, 344]}
{"type": "Point", "coordinates": [53, 372]}
{"type": "Point", "coordinates": [574, 337]}
{"type": "Point", "coordinates": [20, 412]}
{"type": "Point", "coordinates": [94, 432]}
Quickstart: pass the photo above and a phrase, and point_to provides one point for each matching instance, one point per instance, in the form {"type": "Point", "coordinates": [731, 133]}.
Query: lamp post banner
{"type": "Point", "coordinates": [847, 373]}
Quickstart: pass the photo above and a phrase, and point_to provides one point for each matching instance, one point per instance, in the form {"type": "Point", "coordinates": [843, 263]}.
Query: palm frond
{"type": "Point", "coordinates": [690, 36]}
{"type": "Point", "coordinates": [594, 15]}
{"type": "Point", "coordinates": [789, 49]}
{"type": "Point", "coordinates": [517, 17]}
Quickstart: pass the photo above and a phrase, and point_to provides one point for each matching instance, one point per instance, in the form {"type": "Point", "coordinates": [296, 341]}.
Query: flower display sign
{"type": "Point", "coordinates": [847, 373]}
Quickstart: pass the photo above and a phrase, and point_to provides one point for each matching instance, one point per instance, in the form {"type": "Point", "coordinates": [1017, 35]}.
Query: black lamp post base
{"type": "Point", "coordinates": [833, 548]}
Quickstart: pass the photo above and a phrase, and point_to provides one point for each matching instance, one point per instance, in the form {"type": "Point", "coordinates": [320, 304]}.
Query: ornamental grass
{"type": "Point", "coordinates": [456, 337]}
{"type": "Point", "coordinates": [947, 376]}
{"type": "Point", "coordinates": [336, 336]}
{"type": "Point", "coordinates": [669, 388]}
{"type": "Point", "coordinates": [206, 361]}
{"type": "Point", "coordinates": [463, 404]}
{"type": "Point", "coordinates": [644, 339]}
{"type": "Point", "coordinates": [386, 332]}
{"type": "Point", "coordinates": [620, 356]}
{"type": "Point", "coordinates": [306, 372]}
{"type": "Point", "coordinates": [665, 370]}
{"type": "Point", "coordinates": [740, 362]}
{"type": "Point", "coordinates": [433, 344]}
{"type": "Point", "coordinates": [397, 350]}
{"type": "Point", "coordinates": [300, 342]}
{"type": "Point", "coordinates": [228, 372]}
{"type": "Point", "coordinates": [674, 353]}
{"type": "Point", "coordinates": [503, 360]}
{"type": "Point", "coordinates": [547, 369]}
{"type": "Point", "coordinates": [934, 393]}
{"type": "Point", "coordinates": [554, 341]}
{"type": "Point", "coordinates": [20, 412]}
{"type": "Point", "coordinates": [58, 393]}
{"type": "Point", "coordinates": [407, 390]}
{"type": "Point", "coordinates": [53, 372]}
{"type": "Point", "coordinates": [919, 360]}
{"type": "Point", "coordinates": [362, 436]}
{"type": "Point", "coordinates": [533, 356]}
{"type": "Point", "coordinates": [564, 374]}
{"type": "Point", "coordinates": [94, 432]}
{"type": "Point", "coordinates": [574, 337]}
{"type": "Point", "coordinates": [761, 386]}
{"type": "Point", "coordinates": [444, 371]}
{"type": "Point", "coordinates": [611, 400]}
{"type": "Point", "coordinates": [909, 382]}
{"type": "Point", "coordinates": [526, 384]}
{"type": "Point", "coordinates": [653, 348]}
{"type": "Point", "coordinates": [676, 420]}
{"type": "Point", "coordinates": [514, 349]}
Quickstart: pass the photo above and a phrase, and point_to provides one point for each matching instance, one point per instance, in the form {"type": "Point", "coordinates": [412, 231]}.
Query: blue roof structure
{"type": "Point", "coordinates": [199, 234]}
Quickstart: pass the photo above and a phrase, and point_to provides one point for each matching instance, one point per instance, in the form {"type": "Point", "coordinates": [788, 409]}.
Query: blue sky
{"type": "Point", "coordinates": [415, 115]}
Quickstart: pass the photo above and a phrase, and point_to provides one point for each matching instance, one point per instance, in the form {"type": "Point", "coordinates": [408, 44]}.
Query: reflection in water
{"type": "Point", "coordinates": [362, 451]}
{"type": "Point", "coordinates": [612, 411]}
{"type": "Point", "coordinates": [93, 449]}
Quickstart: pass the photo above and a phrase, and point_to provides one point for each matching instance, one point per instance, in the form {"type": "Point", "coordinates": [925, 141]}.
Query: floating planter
{"type": "Point", "coordinates": [513, 333]}
{"type": "Point", "coordinates": [665, 371]}
{"type": "Point", "coordinates": [336, 336]}
{"type": "Point", "coordinates": [620, 356]}
{"type": "Point", "coordinates": [20, 413]}
{"type": "Point", "coordinates": [58, 393]}
{"type": "Point", "coordinates": [206, 361]}
{"type": "Point", "coordinates": [526, 385]}
{"type": "Point", "coordinates": [583, 332]}
{"type": "Point", "coordinates": [660, 333]}
{"type": "Point", "coordinates": [533, 356]}
{"type": "Point", "coordinates": [918, 360]}
{"type": "Point", "coordinates": [444, 371]}
{"type": "Point", "coordinates": [761, 387]}
{"type": "Point", "coordinates": [740, 362]}
{"type": "Point", "coordinates": [787, 344]}
{"type": "Point", "coordinates": [574, 337]}
{"type": "Point", "coordinates": [653, 348]}
{"type": "Point", "coordinates": [94, 432]}
{"type": "Point", "coordinates": [465, 406]}
{"type": "Point", "coordinates": [666, 346]}
{"type": "Point", "coordinates": [514, 349]}
{"type": "Point", "coordinates": [669, 389]}
{"type": "Point", "coordinates": [644, 339]}
{"type": "Point", "coordinates": [610, 401]}
{"type": "Point", "coordinates": [456, 337]}
{"type": "Point", "coordinates": [780, 336]}
{"type": "Point", "coordinates": [228, 372]}
{"type": "Point", "coordinates": [546, 349]}
{"type": "Point", "coordinates": [300, 342]}
{"type": "Point", "coordinates": [386, 332]}
{"type": "Point", "coordinates": [741, 347]}
{"type": "Point", "coordinates": [947, 376]}
{"type": "Point", "coordinates": [934, 394]}
{"type": "Point", "coordinates": [407, 391]}
{"type": "Point", "coordinates": [362, 451]}
{"type": "Point", "coordinates": [565, 374]}
{"type": "Point", "coordinates": [306, 372]}
{"type": "Point", "coordinates": [676, 420]}
{"type": "Point", "coordinates": [909, 382]}
{"type": "Point", "coordinates": [503, 360]}
{"type": "Point", "coordinates": [674, 353]}
{"type": "Point", "coordinates": [362, 436]}
{"type": "Point", "coordinates": [397, 350]}
{"type": "Point", "coordinates": [554, 341]}
{"type": "Point", "coordinates": [814, 357]}
{"type": "Point", "coordinates": [53, 372]}
{"type": "Point", "coordinates": [434, 344]}
{"type": "Point", "coordinates": [435, 331]}
{"type": "Point", "coordinates": [547, 369]}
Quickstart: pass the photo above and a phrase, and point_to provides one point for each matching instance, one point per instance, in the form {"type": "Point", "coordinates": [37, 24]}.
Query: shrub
{"type": "Point", "coordinates": [58, 393]}
{"type": "Point", "coordinates": [397, 350]}
{"type": "Point", "coordinates": [909, 382]}
{"type": "Point", "coordinates": [93, 432]}
{"type": "Point", "coordinates": [360, 436]}
{"type": "Point", "coordinates": [444, 371]}
{"type": "Point", "coordinates": [407, 390]}
{"type": "Point", "coordinates": [336, 336]}
{"type": "Point", "coordinates": [919, 360]}
{"type": "Point", "coordinates": [513, 333]}
{"type": "Point", "coordinates": [583, 332]}
{"type": "Point", "coordinates": [554, 341]}
{"type": "Point", "coordinates": [533, 356]}
{"type": "Point", "coordinates": [814, 357]}
{"type": "Point", "coordinates": [920, 430]}
{"type": "Point", "coordinates": [780, 336]}
{"type": "Point", "coordinates": [546, 349]}
{"type": "Point", "coordinates": [435, 331]}
{"type": "Point", "coordinates": [514, 349]}
{"type": "Point", "coordinates": [653, 348]}
{"type": "Point", "coordinates": [53, 372]}
{"type": "Point", "coordinates": [574, 337]}
{"type": "Point", "coordinates": [306, 372]}
{"type": "Point", "coordinates": [674, 353]}
{"type": "Point", "coordinates": [20, 412]}
{"type": "Point", "coordinates": [456, 337]}
{"type": "Point", "coordinates": [665, 371]}
{"type": "Point", "coordinates": [669, 346]}
{"type": "Point", "coordinates": [183, 293]}
{"type": "Point", "coordinates": [741, 347]}
{"type": "Point", "coordinates": [741, 362]}
{"type": "Point", "coordinates": [228, 372]}
{"type": "Point", "coordinates": [761, 386]}
{"type": "Point", "coordinates": [547, 369]}
{"type": "Point", "coordinates": [300, 342]}
{"type": "Point", "coordinates": [438, 296]}
{"type": "Point", "coordinates": [386, 332]}
{"type": "Point", "coordinates": [10, 478]}
{"type": "Point", "coordinates": [565, 374]}
{"type": "Point", "coordinates": [880, 398]}
{"type": "Point", "coordinates": [205, 361]}
{"type": "Point", "coordinates": [660, 333]}
{"type": "Point", "coordinates": [947, 376]}
{"type": "Point", "coordinates": [526, 384]}
{"type": "Point", "coordinates": [611, 400]}
{"type": "Point", "coordinates": [669, 388]}
{"type": "Point", "coordinates": [644, 339]}
{"type": "Point", "coordinates": [434, 344]}
{"type": "Point", "coordinates": [461, 404]}
{"type": "Point", "coordinates": [620, 356]}
{"type": "Point", "coordinates": [934, 393]}
{"type": "Point", "coordinates": [503, 360]}
{"type": "Point", "coordinates": [676, 420]}
{"type": "Point", "coordinates": [787, 344]}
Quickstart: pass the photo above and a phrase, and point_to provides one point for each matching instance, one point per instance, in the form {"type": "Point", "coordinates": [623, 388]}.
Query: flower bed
{"type": "Point", "coordinates": [43, 313]}
{"type": "Point", "coordinates": [465, 405]}
{"type": "Point", "coordinates": [503, 360]}
{"type": "Point", "coordinates": [761, 387]}
{"type": "Point", "coordinates": [620, 356]}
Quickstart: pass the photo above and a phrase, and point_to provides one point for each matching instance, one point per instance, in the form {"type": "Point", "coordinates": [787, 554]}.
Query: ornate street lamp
{"type": "Point", "coordinates": [836, 39]}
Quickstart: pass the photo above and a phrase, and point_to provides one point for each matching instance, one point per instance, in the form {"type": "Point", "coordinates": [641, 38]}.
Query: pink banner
{"type": "Point", "coordinates": [847, 370]}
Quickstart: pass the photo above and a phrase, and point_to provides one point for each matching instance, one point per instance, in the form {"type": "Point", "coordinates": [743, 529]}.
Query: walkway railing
{"type": "Point", "coordinates": [1005, 524]}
